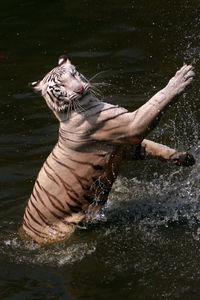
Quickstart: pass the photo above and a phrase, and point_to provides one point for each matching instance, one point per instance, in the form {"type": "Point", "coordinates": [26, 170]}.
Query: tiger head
{"type": "Point", "coordinates": [63, 87]}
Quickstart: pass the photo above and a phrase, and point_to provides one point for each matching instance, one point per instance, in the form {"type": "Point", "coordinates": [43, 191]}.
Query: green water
{"type": "Point", "coordinates": [145, 244]}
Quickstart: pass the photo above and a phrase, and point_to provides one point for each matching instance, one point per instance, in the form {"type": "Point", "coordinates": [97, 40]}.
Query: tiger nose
{"type": "Point", "coordinates": [79, 90]}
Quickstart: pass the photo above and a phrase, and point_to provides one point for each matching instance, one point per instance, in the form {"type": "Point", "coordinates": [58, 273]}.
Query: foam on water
{"type": "Point", "coordinates": [63, 253]}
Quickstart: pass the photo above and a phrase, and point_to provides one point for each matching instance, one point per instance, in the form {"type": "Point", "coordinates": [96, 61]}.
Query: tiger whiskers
{"type": "Point", "coordinates": [101, 84]}
{"type": "Point", "coordinates": [69, 109]}
{"type": "Point", "coordinates": [94, 86]}
{"type": "Point", "coordinates": [97, 74]}
{"type": "Point", "coordinates": [95, 91]}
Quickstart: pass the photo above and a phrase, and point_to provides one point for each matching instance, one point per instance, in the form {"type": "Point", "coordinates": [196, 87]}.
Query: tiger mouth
{"type": "Point", "coordinates": [82, 95]}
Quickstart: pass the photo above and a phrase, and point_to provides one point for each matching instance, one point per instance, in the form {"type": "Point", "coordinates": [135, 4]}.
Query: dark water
{"type": "Point", "coordinates": [145, 244]}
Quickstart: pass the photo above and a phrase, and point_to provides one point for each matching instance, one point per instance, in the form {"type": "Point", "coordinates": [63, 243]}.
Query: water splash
{"type": "Point", "coordinates": [56, 255]}
{"type": "Point", "coordinates": [140, 204]}
{"type": "Point", "coordinates": [170, 197]}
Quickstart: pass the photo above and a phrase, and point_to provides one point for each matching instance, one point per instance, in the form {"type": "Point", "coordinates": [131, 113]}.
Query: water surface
{"type": "Point", "coordinates": [145, 244]}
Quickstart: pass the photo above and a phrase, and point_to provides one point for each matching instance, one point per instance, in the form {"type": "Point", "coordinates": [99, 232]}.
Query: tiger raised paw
{"type": "Point", "coordinates": [94, 137]}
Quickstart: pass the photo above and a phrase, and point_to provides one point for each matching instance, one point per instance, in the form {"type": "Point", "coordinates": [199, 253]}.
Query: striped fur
{"type": "Point", "coordinates": [94, 137]}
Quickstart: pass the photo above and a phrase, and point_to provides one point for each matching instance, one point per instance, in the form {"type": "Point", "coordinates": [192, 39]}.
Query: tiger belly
{"type": "Point", "coordinates": [68, 184]}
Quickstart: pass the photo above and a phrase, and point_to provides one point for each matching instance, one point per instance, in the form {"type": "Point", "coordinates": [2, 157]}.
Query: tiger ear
{"type": "Point", "coordinates": [36, 85]}
{"type": "Point", "coordinates": [63, 60]}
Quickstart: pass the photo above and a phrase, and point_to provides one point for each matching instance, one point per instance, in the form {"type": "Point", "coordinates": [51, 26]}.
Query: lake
{"type": "Point", "coordinates": [145, 243]}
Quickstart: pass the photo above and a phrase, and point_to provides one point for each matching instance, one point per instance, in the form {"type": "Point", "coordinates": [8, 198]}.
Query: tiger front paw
{"type": "Point", "coordinates": [181, 80]}
{"type": "Point", "coordinates": [185, 160]}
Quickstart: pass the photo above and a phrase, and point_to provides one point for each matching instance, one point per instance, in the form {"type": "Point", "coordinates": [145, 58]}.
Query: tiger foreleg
{"type": "Point", "coordinates": [148, 114]}
{"type": "Point", "coordinates": [125, 127]}
{"type": "Point", "coordinates": [148, 149]}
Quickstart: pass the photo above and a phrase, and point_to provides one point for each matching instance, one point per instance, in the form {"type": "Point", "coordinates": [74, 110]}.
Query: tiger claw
{"type": "Point", "coordinates": [185, 160]}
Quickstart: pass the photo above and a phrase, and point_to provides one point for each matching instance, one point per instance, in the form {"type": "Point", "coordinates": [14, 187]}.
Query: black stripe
{"type": "Point", "coordinates": [67, 187]}
{"type": "Point", "coordinates": [50, 176]}
{"type": "Point", "coordinates": [38, 195]}
{"type": "Point", "coordinates": [37, 232]}
{"type": "Point", "coordinates": [73, 172]}
{"type": "Point", "coordinates": [96, 167]}
{"type": "Point", "coordinates": [74, 199]}
{"type": "Point", "coordinates": [79, 178]}
{"type": "Point", "coordinates": [52, 212]}
{"type": "Point", "coordinates": [25, 215]}
{"type": "Point", "coordinates": [50, 97]}
{"type": "Point", "coordinates": [34, 196]}
{"type": "Point", "coordinates": [61, 148]}
{"type": "Point", "coordinates": [60, 163]}
{"type": "Point", "coordinates": [82, 162]}
{"type": "Point", "coordinates": [40, 214]}
{"type": "Point", "coordinates": [43, 218]}
{"type": "Point", "coordinates": [32, 217]}
{"type": "Point", "coordinates": [75, 209]}
{"type": "Point", "coordinates": [54, 204]}
{"type": "Point", "coordinates": [37, 182]}
{"type": "Point", "coordinates": [54, 94]}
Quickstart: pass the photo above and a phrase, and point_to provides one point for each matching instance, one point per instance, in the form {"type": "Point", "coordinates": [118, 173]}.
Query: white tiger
{"type": "Point", "coordinates": [94, 137]}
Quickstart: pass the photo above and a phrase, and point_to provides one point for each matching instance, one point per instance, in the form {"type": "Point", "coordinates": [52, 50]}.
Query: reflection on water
{"type": "Point", "coordinates": [145, 243]}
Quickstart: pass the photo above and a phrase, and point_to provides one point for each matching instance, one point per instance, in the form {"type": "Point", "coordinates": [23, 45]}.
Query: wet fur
{"type": "Point", "coordinates": [94, 137]}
